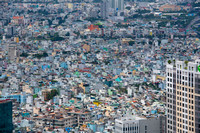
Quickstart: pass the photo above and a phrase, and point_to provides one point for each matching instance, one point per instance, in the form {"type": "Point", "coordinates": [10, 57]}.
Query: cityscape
{"type": "Point", "coordinates": [100, 66]}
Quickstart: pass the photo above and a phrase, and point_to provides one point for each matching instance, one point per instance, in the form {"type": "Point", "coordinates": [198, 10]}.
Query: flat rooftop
{"type": "Point", "coordinates": [5, 101]}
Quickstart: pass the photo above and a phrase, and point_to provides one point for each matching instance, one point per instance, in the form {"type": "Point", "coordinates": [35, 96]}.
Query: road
{"type": "Point", "coordinates": [192, 22]}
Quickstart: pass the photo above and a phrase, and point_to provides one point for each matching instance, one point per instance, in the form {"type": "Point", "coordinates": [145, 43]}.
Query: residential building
{"type": "Point", "coordinates": [20, 97]}
{"type": "Point", "coordinates": [45, 93]}
{"type": "Point", "coordinates": [56, 121]}
{"type": "Point", "coordinates": [81, 116]}
{"type": "Point", "coordinates": [183, 95]}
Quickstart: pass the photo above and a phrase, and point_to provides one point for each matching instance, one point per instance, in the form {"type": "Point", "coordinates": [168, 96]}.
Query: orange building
{"type": "Point", "coordinates": [18, 19]}
{"type": "Point", "coordinates": [93, 27]}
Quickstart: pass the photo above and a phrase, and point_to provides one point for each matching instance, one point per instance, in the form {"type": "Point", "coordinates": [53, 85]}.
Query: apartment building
{"type": "Point", "coordinates": [183, 96]}
{"type": "Point", "coordinates": [54, 121]}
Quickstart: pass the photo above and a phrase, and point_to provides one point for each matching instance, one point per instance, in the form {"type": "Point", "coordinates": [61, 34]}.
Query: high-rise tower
{"type": "Point", "coordinates": [104, 9]}
{"type": "Point", "coordinates": [183, 96]}
{"type": "Point", "coordinates": [6, 125]}
{"type": "Point", "coordinates": [117, 5]}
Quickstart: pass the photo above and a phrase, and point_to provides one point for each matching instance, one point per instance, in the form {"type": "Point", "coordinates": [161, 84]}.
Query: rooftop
{"type": "Point", "coordinates": [5, 101]}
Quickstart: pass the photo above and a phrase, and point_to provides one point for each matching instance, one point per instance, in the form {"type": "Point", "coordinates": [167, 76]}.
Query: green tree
{"type": "Point", "coordinates": [67, 34]}
{"type": "Point", "coordinates": [52, 94]}
{"type": "Point", "coordinates": [131, 43]}
{"type": "Point", "coordinates": [39, 56]}
{"type": "Point", "coordinates": [24, 55]}
{"type": "Point", "coordinates": [128, 8]}
{"type": "Point", "coordinates": [169, 61]}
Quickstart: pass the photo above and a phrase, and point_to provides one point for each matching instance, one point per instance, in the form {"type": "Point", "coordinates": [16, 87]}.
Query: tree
{"type": "Point", "coordinates": [128, 8]}
{"type": "Point", "coordinates": [186, 62]}
{"type": "Point", "coordinates": [174, 62]}
{"type": "Point", "coordinates": [56, 37]}
{"type": "Point", "coordinates": [67, 34]}
{"type": "Point", "coordinates": [24, 55]}
{"type": "Point", "coordinates": [169, 61]}
{"type": "Point", "coordinates": [143, 11]}
{"type": "Point", "coordinates": [52, 94]}
{"type": "Point", "coordinates": [131, 43]}
{"type": "Point", "coordinates": [50, 22]}
{"type": "Point", "coordinates": [39, 56]}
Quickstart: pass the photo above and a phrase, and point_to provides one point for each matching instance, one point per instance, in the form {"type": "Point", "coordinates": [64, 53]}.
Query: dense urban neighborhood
{"type": "Point", "coordinates": [99, 66]}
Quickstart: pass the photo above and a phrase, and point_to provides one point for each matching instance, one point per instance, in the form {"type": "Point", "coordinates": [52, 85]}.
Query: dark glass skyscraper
{"type": "Point", "coordinates": [6, 125]}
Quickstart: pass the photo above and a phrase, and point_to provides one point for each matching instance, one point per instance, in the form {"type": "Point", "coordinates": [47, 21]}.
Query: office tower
{"type": "Point", "coordinates": [117, 5]}
{"type": "Point", "coordinates": [104, 9]}
{"type": "Point", "coordinates": [183, 96]}
{"type": "Point", "coordinates": [140, 125]}
{"type": "Point", "coordinates": [6, 116]}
